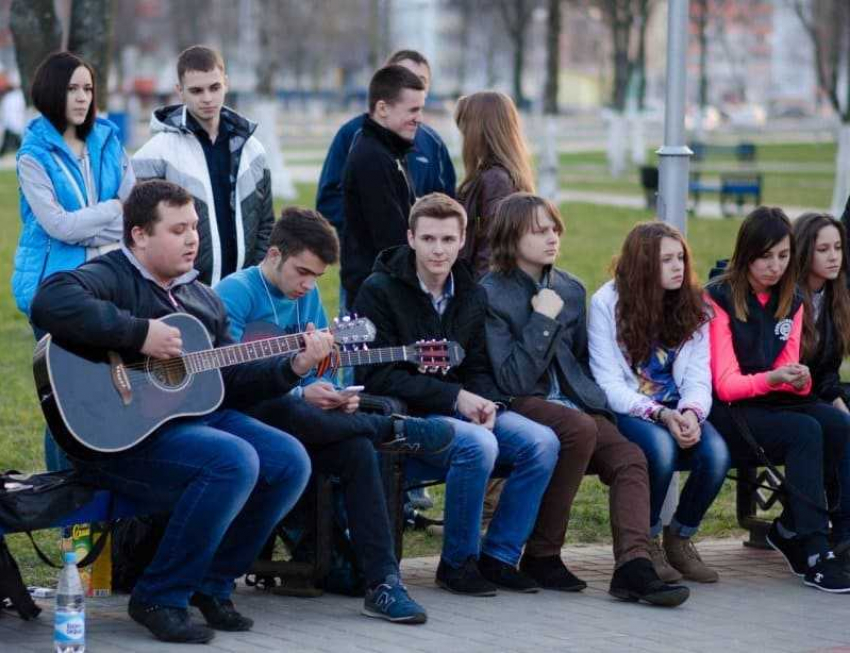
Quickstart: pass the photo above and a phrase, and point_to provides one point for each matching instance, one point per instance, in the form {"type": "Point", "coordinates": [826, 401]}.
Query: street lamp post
{"type": "Point", "coordinates": [674, 155]}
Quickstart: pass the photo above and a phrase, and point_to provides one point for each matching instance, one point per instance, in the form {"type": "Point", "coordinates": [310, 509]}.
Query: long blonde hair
{"type": "Point", "coordinates": [492, 135]}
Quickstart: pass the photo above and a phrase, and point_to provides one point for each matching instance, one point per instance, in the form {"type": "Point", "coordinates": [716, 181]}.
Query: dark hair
{"type": "Point", "coordinates": [142, 206]}
{"type": "Point", "coordinates": [837, 298]}
{"type": "Point", "coordinates": [49, 91]}
{"type": "Point", "coordinates": [305, 229]}
{"type": "Point", "coordinates": [515, 216]}
{"type": "Point", "coordinates": [438, 206]}
{"type": "Point", "coordinates": [647, 314]}
{"type": "Point", "coordinates": [761, 230]}
{"type": "Point", "coordinates": [408, 55]}
{"type": "Point", "coordinates": [200, 58]}
{"type": "Point", "coordinates": [388, 83]}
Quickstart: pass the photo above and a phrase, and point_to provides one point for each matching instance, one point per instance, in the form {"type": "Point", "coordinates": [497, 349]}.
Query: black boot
{"type": "Point", "coordinates": [637, 581]}
{"type": "Point", "coordinates": [169, 624]}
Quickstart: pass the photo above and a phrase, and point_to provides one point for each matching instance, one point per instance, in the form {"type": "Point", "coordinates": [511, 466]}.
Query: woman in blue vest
{"type": "Point", "coordinates": [72, 172]}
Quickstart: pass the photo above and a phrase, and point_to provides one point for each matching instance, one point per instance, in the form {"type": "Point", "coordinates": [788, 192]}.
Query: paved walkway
{"type": "Point", "coordinates": [757, 606]}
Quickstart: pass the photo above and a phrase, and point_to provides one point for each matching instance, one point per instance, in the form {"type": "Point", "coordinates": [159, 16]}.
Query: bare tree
{"type": "Point", "coordinates": [36, 32]}
{"type": "Point", "coordinates": [553, 57]}
{"type": "Point", "coordinates": [827, 23]}
{"type": "Point", "coordinates": [90, 36]}
{"type": "Point", "coordinates": [516, 15]}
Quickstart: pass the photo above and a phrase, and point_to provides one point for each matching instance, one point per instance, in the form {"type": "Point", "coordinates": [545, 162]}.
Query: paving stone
{"type": "Point", "coordinates": [756, 606]}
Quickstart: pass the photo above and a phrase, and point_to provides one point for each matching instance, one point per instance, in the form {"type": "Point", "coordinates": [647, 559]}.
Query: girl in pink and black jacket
{"type": "Point", "coordinates": [761, 386]}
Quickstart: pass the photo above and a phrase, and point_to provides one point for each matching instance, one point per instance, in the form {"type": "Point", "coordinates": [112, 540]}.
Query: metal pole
{"type": "Point", "coordinates": [674, 155]}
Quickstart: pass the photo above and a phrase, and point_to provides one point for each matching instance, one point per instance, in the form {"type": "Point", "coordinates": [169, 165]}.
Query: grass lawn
{"type": "Point", "coordinates": [808, 188]}
{"type": "Point", "coordinates": [593, 236]}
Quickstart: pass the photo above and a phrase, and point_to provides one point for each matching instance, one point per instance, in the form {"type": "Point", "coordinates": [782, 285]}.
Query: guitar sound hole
{"type": "Point", "coordinates": [168, 375]}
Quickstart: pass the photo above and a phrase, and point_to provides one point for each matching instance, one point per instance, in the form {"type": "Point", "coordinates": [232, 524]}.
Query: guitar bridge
{"type": "Point", "coordinates": [120, 379]}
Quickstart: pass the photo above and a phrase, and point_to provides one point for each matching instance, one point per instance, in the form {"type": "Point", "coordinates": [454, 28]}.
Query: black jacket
{"type": "Point", "coordinates": [377, 198]}
{"type": "Point", "coordinates": [106, 303]}
{"type": "Point", "coordinates": [825, 363]}
{"type": "Point", "coordinates": [403, 313]}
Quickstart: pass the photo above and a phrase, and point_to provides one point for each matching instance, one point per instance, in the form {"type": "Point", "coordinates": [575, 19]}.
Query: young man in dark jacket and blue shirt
{"type": "Point", "coordinates": [429, 163]}
{"type": "Point", "coordinates": [377, 190]}
{"type": "Point", "coordinates": [226, 478]}
{"type": "Point", "coordinates": [419, 291]}
{"type": "Point", "coordinates": [537, 340]}
{"type": "Point", "coordinates": [282, 291]}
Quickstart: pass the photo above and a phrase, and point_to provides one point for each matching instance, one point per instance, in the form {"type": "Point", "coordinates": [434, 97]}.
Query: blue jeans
{"type": "Point", "coordinates": [227, 479]}
{"type": "Point", "coordinates": [708, 462]}
{"type": "Point", "coordinates": [531, 449]}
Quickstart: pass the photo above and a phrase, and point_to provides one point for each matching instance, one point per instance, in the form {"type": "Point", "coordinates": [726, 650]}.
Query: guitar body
{"type": "Point", "coordinates": [101, 402]}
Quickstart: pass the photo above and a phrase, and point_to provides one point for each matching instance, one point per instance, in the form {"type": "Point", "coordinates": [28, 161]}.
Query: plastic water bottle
{"type": "Point", "coordinates": [69, 624]}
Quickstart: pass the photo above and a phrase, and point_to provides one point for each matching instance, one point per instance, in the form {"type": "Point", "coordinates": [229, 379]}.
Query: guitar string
{"type": "Point", "coordinates": [146, 375]}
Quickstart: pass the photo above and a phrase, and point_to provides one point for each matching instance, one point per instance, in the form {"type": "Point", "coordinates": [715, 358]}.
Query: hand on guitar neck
{"type": "Point", "coordinates": [317, 347]}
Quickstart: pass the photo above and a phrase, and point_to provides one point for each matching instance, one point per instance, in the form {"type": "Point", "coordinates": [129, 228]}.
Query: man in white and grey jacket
{"type": "Point", "coordinates": [210, 150]}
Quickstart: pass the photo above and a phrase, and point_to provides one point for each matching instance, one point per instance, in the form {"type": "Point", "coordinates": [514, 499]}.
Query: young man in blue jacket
{"type": "Point", "coordinates": [282, 291]}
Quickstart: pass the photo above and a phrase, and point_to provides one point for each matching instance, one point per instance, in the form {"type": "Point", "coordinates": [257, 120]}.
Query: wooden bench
{"type": "Point", "coordinates": [744, 152]}
{"type": "Point", "coordinates": [733, 188]}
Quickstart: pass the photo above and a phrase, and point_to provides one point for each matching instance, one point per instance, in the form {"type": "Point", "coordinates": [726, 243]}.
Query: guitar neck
{"type": "Point", "coordinates": [376, 356]}
{"type": "Point", "coordinates": [212, 359]}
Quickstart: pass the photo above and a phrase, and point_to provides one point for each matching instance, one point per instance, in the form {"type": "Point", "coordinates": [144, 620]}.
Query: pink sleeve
{"type": "Point", "coordinates": [729, 383]}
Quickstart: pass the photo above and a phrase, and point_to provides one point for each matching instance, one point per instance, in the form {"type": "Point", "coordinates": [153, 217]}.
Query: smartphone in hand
{"type": "Point", "coordinates": [352, 390]}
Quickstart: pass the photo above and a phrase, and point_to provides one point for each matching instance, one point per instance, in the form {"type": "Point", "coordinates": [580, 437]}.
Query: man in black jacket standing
{"type": "Point", "coordinates": [419, 291]}
{"type": "Point", "coordinates": [226, 478]}
{"type": "Point", "coordinates": [377, 189]}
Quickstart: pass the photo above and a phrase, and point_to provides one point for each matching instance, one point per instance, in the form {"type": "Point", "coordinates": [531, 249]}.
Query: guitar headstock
{"type": "Point", "coordinates": [352, 330]}
{"type": "Point", "coordinates": [437, 355]}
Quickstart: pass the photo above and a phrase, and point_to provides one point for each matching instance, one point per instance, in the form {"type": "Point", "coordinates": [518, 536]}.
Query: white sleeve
{"type": "Point", "coordinates": [607, 370]}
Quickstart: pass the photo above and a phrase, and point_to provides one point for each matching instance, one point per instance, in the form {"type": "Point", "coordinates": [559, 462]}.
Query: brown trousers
{"type": "Point", "coordinates": [590, 444]}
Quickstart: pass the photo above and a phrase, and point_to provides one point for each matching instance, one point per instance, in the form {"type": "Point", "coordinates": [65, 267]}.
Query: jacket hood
{"type": "Point", "coordinates": [172, 118]}
{"type": "Point", "coordinates": [40, 132]}
{"type": "Point", "coordinates": [400, 263]}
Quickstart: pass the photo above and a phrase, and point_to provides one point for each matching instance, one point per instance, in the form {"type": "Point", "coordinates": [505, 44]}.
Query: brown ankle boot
{"type": "Point", "coordinates": [683, 555]}
{"type": "Point", "coordinates": [659, 560]}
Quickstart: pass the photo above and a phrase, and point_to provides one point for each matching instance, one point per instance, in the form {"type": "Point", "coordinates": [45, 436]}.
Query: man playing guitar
{"type": "Point", "coordinates": [226, 478]}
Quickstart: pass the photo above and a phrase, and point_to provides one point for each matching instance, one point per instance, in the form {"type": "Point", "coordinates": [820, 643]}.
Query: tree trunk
{"type": "Point", "coordinates": [36, 32]}
{"type": "Point", "coordinates": [519, 64]}
{"type": "Point", "coordinates": [841, 187]}
{"type": "Point", "coordinates": [265, 112]}
{"type": "Point", "coordinates": [702, 39]}
{"type": "Point", "coordinates": [90, 36]}
{"type": "Point", "coordinates": [618, 129]}
{"type": "Point", "coordinates": [553, 57]}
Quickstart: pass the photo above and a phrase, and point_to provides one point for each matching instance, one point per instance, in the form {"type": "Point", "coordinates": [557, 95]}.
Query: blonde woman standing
{"type": "Point", "coordinates": [496, 163]}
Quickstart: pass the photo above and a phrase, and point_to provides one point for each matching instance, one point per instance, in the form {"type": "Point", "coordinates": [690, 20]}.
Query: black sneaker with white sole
{"type": "Point", "coordinates": [791, 548]}
{"type": "Point", "coordinates": [828, 575]}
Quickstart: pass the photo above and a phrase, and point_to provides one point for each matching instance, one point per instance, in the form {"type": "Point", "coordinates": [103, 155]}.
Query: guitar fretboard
{"type": "Point", "coordinates": [211, 359]}
{"type": "Point", "coordinates": [373, 356]}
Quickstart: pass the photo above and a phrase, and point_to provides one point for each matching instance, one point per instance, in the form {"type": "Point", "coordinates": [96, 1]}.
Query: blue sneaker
{"type": "Point", "coordinates": [419, 436]}
{"type": "Point", "coordinates": [390, 601]}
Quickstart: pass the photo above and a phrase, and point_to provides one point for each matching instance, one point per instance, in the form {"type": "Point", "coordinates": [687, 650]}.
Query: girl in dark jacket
{"type": "Point", "coordinates": [761, 387]}
{"type": "Point", "coordinates": [821, 241]}
{"type": "Point", "coordinates": [497, 163]}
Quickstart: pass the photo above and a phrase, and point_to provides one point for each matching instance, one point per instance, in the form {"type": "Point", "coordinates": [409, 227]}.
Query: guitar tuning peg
{"type": "Point", "coordinates": [365, 347]}
{"type": "Point", "coordinates": [346, 319]}
{"type": "Point", "coordinates": [336, 320]}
